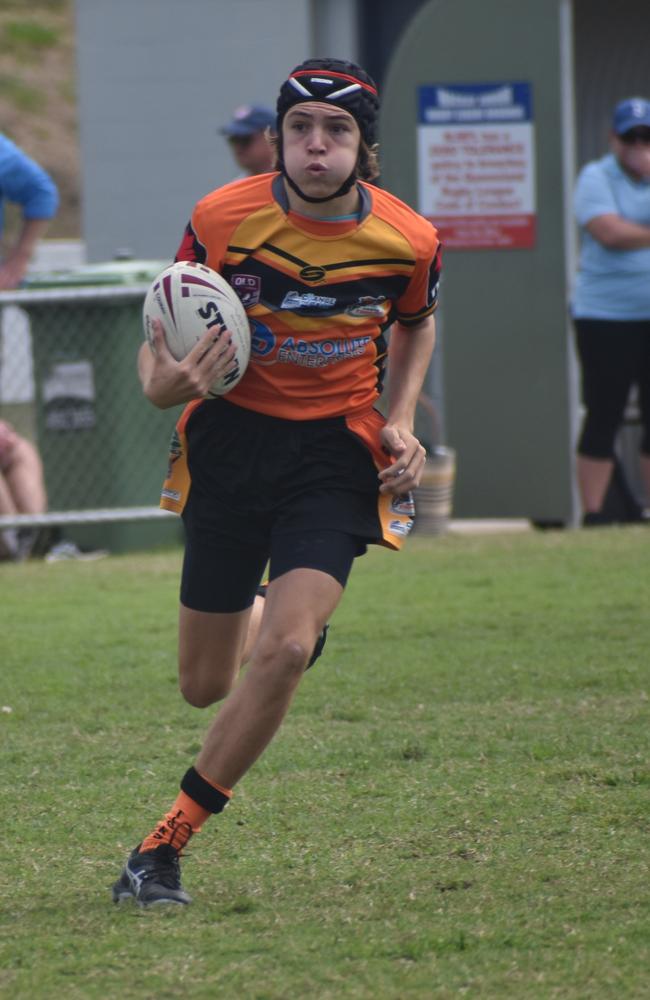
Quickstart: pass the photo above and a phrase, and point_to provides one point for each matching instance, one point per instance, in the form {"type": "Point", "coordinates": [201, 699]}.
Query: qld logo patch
{"type": "Point", "coordinates": [248, 288]}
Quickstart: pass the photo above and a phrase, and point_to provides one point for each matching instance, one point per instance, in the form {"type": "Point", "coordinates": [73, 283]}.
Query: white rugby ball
{"type": "Point", "coordinates": [190, 299]}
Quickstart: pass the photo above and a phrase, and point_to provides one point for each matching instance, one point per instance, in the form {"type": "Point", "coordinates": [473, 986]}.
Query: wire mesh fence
{"type": "Point", "coordinates": [68, 383]}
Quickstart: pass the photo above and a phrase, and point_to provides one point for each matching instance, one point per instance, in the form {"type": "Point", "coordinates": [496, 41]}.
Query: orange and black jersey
{"type": "Point", "coordinates": [319, 294]}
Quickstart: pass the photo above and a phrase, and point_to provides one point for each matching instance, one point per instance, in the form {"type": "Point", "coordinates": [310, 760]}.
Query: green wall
{"type": "Point", "coordinates": [506, 381]}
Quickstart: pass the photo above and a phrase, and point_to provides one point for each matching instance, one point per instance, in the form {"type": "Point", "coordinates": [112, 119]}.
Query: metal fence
{"type": "Point", "coordinates": [68, 382]}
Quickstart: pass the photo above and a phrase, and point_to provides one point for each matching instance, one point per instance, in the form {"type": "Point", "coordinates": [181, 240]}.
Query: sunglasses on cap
{"type": "Point", "coordinates": [634, 135]}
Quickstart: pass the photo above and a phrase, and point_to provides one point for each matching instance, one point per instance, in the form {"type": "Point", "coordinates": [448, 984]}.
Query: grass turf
{"type": "Point", "coordinates": [457, 804]}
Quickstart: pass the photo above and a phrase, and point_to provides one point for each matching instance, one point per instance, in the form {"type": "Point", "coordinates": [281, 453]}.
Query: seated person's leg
{"type": "Point", "coordinates": [8, 537]}
{"type": "Point", "coordinates": [24, 476]}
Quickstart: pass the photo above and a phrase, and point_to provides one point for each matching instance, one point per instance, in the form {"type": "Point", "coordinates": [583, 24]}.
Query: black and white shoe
{"type": "Point", "coordinates": [320, 641]}
{"type": "Point", "coordinates": [151, 878]}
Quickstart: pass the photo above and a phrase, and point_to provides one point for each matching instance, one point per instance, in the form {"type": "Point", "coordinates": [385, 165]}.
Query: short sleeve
{"type": "Point", "coordinates": [191, 248]}
{"type": "Point", "coordinates": [26, 183]}
{"type": "Point", "coordinates": [593, 195]}
{"type": "Point", "coordinates": [421, 297]}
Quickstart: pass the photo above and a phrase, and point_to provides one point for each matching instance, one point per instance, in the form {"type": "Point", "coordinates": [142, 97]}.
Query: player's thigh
{"type": "Point", "coordinates": [221, 571]}
{"type": "Point", "coordinates": [297, 606]}
{"type": "Point", "coordinates": [210, 650]}
{"type": "Point", "coordinates": [308, 574]}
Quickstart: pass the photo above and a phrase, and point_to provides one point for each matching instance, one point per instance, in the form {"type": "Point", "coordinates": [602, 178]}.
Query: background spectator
{"type": "Point", "coordinates": [248, 138]}
{"type": "Point", "coordinates": [22, 181]}
{"type": "Point", "coordinates": [611, 304]}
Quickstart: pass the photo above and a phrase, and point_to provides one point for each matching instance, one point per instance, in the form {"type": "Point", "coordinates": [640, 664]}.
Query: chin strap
{"type": "Point", "coordinates": [344, 188]}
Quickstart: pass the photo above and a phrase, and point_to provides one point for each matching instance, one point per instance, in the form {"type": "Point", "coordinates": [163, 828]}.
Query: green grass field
{"type": "Point", "coordinates": [457, 805]}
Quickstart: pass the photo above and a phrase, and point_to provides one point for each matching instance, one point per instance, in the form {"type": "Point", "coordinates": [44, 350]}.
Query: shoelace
{"type": "Point", "coordinates": [165, 868]}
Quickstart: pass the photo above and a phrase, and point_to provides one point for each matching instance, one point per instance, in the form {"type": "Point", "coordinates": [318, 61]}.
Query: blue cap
{"type": "Point", "coordinates": [249, 119]}
{"type": "Point", "coordinates": [630, 113]}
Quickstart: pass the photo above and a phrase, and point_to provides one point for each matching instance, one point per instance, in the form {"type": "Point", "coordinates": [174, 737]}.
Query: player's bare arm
{"type": "Point", "coordinates": [167, 382]}
{"type": "Point", "coordinates": [408, 359]}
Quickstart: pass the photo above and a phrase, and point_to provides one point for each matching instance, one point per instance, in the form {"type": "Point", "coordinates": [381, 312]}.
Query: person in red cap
{"type": "Point", "coordinates": [248, 137]}
{"type": "Point", "coordinates": [295, 466]}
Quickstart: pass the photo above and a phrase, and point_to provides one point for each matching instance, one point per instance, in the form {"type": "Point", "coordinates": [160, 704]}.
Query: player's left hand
{"type": "Point", "coordinates": [408, 456]}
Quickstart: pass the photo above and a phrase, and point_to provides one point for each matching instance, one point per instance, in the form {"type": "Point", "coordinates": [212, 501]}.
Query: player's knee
{"type": "Point", "coordinates": [201, 690]}
{"type": "Point", "coordinates": [285, 660]}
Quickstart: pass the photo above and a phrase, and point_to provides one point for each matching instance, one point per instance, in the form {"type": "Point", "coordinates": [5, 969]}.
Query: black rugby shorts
{"type": "Point", "coordinates": [302, 494]}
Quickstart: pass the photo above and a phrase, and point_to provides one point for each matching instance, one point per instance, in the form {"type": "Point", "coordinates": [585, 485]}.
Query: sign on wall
{"type": "Point", "coordinates": [476, 164]}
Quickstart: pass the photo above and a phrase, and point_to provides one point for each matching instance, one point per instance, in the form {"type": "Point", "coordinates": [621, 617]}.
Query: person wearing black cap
{"type": "Point", "coordinates": [248, 137]}
{"type": "Point", "coordinates": [611, 304]}
{"type": "Point", "coordinates": [295, 465]}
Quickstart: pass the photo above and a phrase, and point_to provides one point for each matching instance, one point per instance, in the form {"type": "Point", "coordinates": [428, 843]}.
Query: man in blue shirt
{"type": "Point", "coordinates": [611, 301]}
{"type": "Point", "coordinates": [22, 181]}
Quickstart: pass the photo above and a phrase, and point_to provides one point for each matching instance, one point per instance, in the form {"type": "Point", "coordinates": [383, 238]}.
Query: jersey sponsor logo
{"type": "Point", "coordinates": [269, 349]}
{"type": "Point", "coordinates": [320, 353]}
{"type": "Point", "coordinates": [248, 288]}
{"type": "Point", "coordinates": [368, 305]}
{"type": "Point", "coordinates": [311, 272]}
{"type": "Point", "coordinates": [262, 339]}
{"type": "Point", "coordinates": [307, 300]}
{"type": "Point", "coordinates": [403, 505]}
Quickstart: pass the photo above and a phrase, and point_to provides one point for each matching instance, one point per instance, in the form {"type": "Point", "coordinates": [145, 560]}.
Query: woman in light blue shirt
{"type": "Point", "coordinates": [611, 302]}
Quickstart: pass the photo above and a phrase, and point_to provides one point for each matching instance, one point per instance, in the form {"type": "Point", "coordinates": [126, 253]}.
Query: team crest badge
{"type": "Point", "coordinates": [248, 288]}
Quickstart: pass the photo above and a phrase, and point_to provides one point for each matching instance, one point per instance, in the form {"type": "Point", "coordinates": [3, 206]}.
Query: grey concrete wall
{"type": "Point", "coordinates": [155, 80]}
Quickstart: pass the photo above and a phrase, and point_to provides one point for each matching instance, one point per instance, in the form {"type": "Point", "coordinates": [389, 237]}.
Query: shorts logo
{"type": "Point", "coordinates": [311, 272]}
{"type": "Point", "coordinates": [368, 305]}
{"type": "Point", "coordinates": [248, 288]}
{"type": "Point", "coordinates": [307, 300]}
{"type": "Point", "coordinates": [403, 505]}
{"type": "Point", "coordinates": [400, 527]}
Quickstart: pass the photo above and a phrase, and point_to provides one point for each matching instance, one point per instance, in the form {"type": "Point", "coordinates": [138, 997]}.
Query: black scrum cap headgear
{"type": "Point", "coordinates": [335, 82]}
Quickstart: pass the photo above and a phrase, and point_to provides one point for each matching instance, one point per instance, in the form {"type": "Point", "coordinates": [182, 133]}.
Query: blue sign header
{"type": "Point", "coordinates": [475, 103]}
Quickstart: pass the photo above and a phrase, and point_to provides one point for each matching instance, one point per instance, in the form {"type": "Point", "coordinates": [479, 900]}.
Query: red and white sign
{"type": "Point", "coordinates": [476, 165]}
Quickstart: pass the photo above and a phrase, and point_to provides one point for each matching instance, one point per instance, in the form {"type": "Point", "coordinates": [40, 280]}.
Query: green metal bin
{"type": "Point", "coordinates": [103, 445]}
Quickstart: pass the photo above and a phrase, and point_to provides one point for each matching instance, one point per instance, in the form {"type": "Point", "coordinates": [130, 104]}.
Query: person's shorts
{"type": "Point", "coordinates": [302, 494]}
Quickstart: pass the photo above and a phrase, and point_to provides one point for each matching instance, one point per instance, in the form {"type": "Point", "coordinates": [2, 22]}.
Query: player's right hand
{"type": "Point", "coordinates": [167, 382]}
